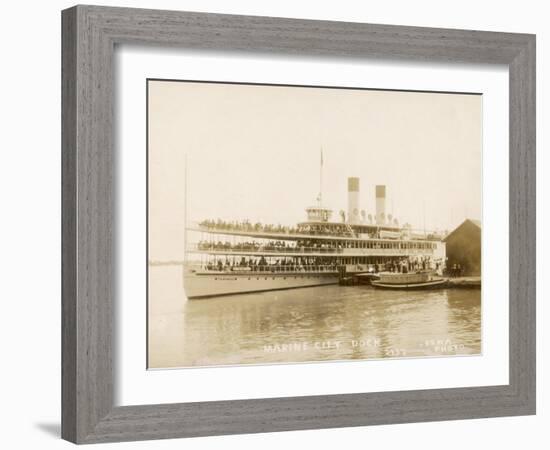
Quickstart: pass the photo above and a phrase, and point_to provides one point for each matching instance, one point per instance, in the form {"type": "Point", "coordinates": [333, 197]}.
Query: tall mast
{"type": "Point", "coordinates": [185, 211]}
{"type": "Point", "coordinates": [424, 216]}
{"type": "Point", "coordinates": [321, 179]}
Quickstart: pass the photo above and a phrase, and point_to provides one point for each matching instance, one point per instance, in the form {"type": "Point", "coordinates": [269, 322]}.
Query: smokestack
{"type": "Point", "coordinates": [353, 200]}
{"type": "Point", "coordinates": [380, 204]}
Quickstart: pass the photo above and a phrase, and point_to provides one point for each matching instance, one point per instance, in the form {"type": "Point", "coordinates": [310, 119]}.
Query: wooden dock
{"type": "Point", "coordinates": [452, 283]}
{"type": "Point", "coordinates": [465, 282]}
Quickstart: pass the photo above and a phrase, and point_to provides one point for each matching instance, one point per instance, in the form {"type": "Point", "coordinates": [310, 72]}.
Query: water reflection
{"type": "Point", "coordinates": [309, 324]}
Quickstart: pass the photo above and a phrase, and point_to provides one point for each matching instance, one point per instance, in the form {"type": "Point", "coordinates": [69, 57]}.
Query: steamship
{"type": "Point", "coordinates": [244, 257]}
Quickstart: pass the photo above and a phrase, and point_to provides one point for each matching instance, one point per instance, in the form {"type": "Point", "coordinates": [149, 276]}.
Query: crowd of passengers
{"type": "Point", "coordinates": [282, 246]}
{"type": "Point", "coordinates": [246, 225]}
{"type": "Point", "coordinates": [246, 246]}
{"type": "Point", "coordinates": [280, 264]}
{"type": "Point", "coordinates": [406, 265]}
{"type": "Point", "coordinates": [271, 246]}
{"type": "Point", "coordinates": [317, 229]}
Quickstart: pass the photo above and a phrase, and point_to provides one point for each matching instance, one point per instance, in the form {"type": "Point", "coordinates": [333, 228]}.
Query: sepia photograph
{"type": "Point", "coordinates": [301, 224]}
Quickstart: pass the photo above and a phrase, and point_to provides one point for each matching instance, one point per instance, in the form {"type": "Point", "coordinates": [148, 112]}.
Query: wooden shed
{"type": "Point", "coordinates": [464, 247]}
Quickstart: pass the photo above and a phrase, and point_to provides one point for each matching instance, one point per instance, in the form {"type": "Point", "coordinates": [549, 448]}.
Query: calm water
{"type": "Point", "coordinates": [309, 324]}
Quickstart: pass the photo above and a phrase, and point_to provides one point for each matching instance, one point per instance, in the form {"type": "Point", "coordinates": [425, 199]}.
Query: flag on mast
{"type": "Point", "coordinates": [320, 197]}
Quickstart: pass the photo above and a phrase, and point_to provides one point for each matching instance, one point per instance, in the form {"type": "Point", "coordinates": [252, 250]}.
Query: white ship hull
{"type": "Point", "coordinates": [199, 285]}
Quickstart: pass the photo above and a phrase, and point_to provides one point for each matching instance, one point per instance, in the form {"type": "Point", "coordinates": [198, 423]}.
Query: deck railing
{"type": "Point", "coordinates": [236, 248]}
{"type": "Point", "coordinates": [265, 231]}
{"type": "Point", "coordinates": [265, 269]}
{"type": "Point", "coordinates": [346, 231]}
{"type": "Point", "coordinates": [305, 251]}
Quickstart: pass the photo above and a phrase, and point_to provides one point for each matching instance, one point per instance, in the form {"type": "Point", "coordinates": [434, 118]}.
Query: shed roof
{"type": "Point", "coordinates": [475, 222]}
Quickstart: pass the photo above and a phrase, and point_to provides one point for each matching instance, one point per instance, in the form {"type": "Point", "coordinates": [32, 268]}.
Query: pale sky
{"type": "Point", "coordinates": [253, 152]}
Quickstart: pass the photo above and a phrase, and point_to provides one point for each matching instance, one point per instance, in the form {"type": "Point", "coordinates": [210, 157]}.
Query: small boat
{"type": "Point", "coordinates": [417, 280]}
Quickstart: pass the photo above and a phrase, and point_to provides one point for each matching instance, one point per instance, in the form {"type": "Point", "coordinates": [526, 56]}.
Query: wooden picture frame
{"type": "Point", "coordinates": [90, 34]}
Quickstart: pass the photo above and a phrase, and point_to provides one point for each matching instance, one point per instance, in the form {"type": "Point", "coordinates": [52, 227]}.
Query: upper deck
{"type": "Point", "coordinates": [320, 231]}
{"type": "Point", "coordinates": [395, 248]}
